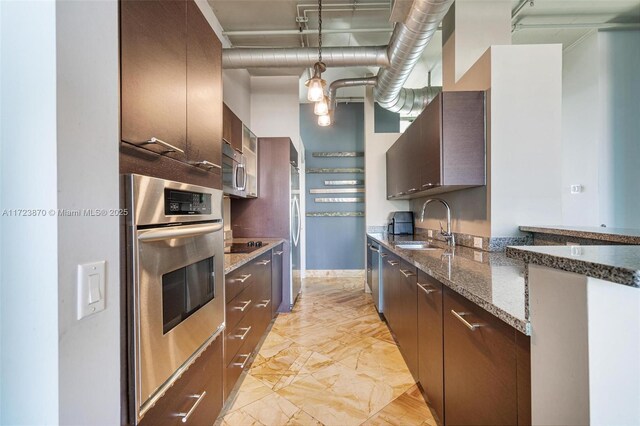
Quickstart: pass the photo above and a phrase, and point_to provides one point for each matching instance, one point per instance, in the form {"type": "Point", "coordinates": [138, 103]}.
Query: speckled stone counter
{"type": "Point", "coordinates": [598, 234]}
{"type": "Point", "coordinates": [618, 264]}
{"type": "Point", "coordinates": [488, 279]}
{"type": "Point", "coordinates": [235, 260]}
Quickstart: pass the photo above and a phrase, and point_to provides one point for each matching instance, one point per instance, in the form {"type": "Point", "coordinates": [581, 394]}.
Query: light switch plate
{"type": "Point", "coordinates": [430, 233]}
{"type": "Point", "coordinates": [91, 287]}
{"type": "Point", "coordinates": [477, 242]}
{"type": "Point", "coordinates": [477, 256]}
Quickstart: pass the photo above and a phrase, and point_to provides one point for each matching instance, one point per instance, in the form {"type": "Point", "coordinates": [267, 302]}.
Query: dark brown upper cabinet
{"type": "Point", "coordinates": [443, 150]}
{"type": "Point", "coordinates": [232, 128]}
{"type": "Point", "coordinates": [153, 38]}
{"type": "Point", "coordinates": [204, 92]}
{"type": "Point", "coordinates": [171, 92]}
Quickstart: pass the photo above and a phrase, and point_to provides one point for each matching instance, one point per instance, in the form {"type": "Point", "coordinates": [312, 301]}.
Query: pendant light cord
{"type": "Point", "coordinates": [319, 30]}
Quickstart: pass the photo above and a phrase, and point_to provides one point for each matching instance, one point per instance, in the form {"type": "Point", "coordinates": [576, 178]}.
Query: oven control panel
{"type": "Point", "coordinates": [183, 202]}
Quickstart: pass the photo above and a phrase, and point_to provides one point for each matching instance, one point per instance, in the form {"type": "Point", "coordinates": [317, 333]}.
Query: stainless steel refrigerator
{"type": "Point", "coordinates": [296, 226]}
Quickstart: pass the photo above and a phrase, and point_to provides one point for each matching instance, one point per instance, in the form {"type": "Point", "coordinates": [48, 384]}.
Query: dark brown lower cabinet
{"type": "Point", "coordinates": [249, 310]}
{"type": "Point", "coordinates": [405, 317]}
{"type": "Point", "coordinates": [480, 378]}
{"type": "Point", "coordinates": [198, 392]}
{"type": "Point", "coordinates": [430, 344]}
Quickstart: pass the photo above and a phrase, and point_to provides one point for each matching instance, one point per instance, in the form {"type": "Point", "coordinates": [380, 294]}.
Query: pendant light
{"type": "Point", "coordinates": [321, 107]}
{"type": "Point", "coordinates": [324, 120]}
{"type": "Point", "coordinates": [316, 84]}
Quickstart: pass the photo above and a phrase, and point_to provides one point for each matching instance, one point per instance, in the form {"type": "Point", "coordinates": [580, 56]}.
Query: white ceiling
{"type": "Point", "coordinates": [260, 15]}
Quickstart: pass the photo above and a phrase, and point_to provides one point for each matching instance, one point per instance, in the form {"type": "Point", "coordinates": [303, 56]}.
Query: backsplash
{"type": "Point", "coordinates": [491, 244]}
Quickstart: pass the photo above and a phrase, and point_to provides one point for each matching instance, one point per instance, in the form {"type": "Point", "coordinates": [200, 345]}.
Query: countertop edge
{"type": "Point", "coordinates": [519, 324]}
{"type": "Point", "coordinates": [251, 256]}
{"type": "Point", "coordinates": [601, 271]}
{"type": "Point", "coordinates": [591, 235]}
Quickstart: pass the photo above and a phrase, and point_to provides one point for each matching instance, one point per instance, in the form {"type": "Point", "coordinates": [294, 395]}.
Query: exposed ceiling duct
{"type": "Point", "coordinates": [396, 61]}
{"type": "Point", "coordinates": [371, 56]}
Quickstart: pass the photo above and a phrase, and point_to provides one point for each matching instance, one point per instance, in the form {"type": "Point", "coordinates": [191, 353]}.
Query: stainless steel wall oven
{"type": "Point", "coordinates": [175, 262]}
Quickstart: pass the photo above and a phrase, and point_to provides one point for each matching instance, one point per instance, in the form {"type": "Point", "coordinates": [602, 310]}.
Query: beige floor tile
{"type": "Point", "coordinates": [408, 409]}
{"type": "Point", "coordinates": [271, 410]}
{"type": "Point", "coordinates": [250, 391]}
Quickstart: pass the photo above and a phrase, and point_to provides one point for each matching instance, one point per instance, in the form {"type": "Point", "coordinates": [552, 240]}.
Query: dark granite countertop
{"type": "Point", "coordinates": [488, 279]}
{"type": "Point", "coordinates": [614, 235]}
{"type": "Point", "coordinates": [618, 264]}
{"type": "Point", "coordinates": [235, 260]}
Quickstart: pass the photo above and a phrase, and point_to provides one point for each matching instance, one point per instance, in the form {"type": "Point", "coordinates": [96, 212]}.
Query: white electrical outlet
{"type": "Point", "coordinates": [477, 256]}
{"type": "Point", "coordinates": [430, 233]}
{"type": "Point", "coordinates": [576, 189]}
{"type": "Point", "coordinates": [477, 242]}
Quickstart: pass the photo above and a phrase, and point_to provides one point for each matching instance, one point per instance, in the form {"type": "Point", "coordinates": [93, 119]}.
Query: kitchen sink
{"type": "Point", "coordinates": [416, 246]}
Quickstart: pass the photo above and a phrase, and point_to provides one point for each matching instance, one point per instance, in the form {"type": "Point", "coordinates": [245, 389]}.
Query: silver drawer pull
{"type": "Point", "coordinates": [185, 416]}
{"type": "Point", "coordinates": [244, 278]}
{"type": "Point", "coordinates": [392, 262]}
{"type": "Point", "coordinates": [278, 253]}
{"type": "Point", "coordinates": [412, 190]}
{"type": "Point", "coordinates": [264, 304]}
{"type": "Point", "coordinates": [171, 148]}
{"type": "Point", "coordinates": [464, 321]}
{"type": "Point", "coordinates": [207, 164]}
{"type": "Point", "coordinates": [241, 309]}
{"type": "Point", "coordinates": [425, 289]}
{"type": "Point", "coordinates": [243, 335]}
{"type": "Point", "coordinates": [263, 262]}
{"type": "Point", "coordinates": [383, 254]}
{"type": "Point", "coordinates": [375, 249]}
{"type": "Point", "coordinates": [407, 273]}
{"type": "Point", "coordinates": [242, 364]}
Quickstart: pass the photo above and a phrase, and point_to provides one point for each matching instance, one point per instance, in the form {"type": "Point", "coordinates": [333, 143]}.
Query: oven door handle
{"type": "Point", "coordinates": [186, 231]}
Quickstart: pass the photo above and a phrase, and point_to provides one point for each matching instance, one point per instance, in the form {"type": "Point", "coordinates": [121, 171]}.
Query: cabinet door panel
{"type": "Point", "coordinates": [406, 315]}
{"type": "Point", "coordinates": [430, 122]}
{"type": "Point", "coordinates": [412, 159]}
{"type": "Point", "coordinates": [430, 344]}
{"type": "Point", "coordinates": [480, 366]}
{"type": "Point", "coordinates": [204, 90]}
{"type": "Point", "coordinates": [153, 38]}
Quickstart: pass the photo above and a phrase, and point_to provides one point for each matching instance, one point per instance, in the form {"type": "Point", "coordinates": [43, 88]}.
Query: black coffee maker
{"type": "Point", "coordinates": [400, 223]}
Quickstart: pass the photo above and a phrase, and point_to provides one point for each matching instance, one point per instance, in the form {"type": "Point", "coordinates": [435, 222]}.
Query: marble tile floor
{"type": "Point", "coordinates": [332, 361]}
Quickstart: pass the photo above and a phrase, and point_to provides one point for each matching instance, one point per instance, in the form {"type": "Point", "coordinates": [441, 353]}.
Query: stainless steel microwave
{"type": "Point", "coordinates": [234, 172]}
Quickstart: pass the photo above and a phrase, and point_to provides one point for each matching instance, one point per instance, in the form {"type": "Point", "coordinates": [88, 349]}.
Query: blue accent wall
{"type": "Point", "coordinates": [333, 242]}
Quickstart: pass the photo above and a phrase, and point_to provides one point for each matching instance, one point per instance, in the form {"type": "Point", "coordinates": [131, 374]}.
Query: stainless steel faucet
{"type": "Point", "coordinates": [448, 235]}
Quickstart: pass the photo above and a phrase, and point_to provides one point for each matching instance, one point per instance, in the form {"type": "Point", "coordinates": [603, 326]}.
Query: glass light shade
{"type": "Point", "coordinates": [321, 107]}
{"type": "Point", "coordinates": [316, 89]}
{"type": "Point", "coordinates": [324, 120]}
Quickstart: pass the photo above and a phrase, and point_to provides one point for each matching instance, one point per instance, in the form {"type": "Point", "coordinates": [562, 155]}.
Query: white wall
{"type": "Point", "coordinates": [237, 93]}
{"type": "Point", "coordinates": [620, 91]}
{"type": "Point", "coordinates": [581, 132]}
{"type": "Point", "coordinates": [377, 207]}
{"type": "Point", "coordinates": [28, 250]}
{"type": "Point", "coordinates": [88, 137]}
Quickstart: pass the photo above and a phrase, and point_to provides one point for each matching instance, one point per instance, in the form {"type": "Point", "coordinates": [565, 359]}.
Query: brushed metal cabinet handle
{"type": "Point", "coordinates": [263, 262]}
{"type": "Point", "coordinates": [424, 288]}
{"type": "Point", "coordinates": [243, 335]}
{"type": "Point", "coordinates": [383, 254]}
{"type": "Point", "coordinates": [244, 278]}
{"type": "Point", "coordinates": [241, 309]}
{"type": "Point", "coordinates": [185, 416]}
{"type": "Point", "coordinates": [264, 304]}
{"type": "Point", "coordinates": [407, 273]}
{"type": "Point", "coordinates": [392, 262]}
{"type": "Point", "coordinates": [278, 253]}
{"type": "Point", "coordinates": [242, 364]}
{"type": "Point", "coordinates": [171, 148]}
{"type": "Point", "coordinates": [207, 164]}
{"type": "Point", "coordinates": [460, 315]}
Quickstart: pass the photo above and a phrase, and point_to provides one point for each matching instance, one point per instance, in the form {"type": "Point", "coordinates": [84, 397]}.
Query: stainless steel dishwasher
{"type": "Point", "coordinates": [376, 279]}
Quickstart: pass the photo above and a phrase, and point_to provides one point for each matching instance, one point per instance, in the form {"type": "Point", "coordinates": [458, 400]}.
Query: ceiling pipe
{"type": "Point", "coordinates": [408, 41]}
{"type": "Point", "coordinates": [375, 56]}
{"type": "Point", "coordinates": [257, 33]}
{"type": "Point", "coordinates": [347, 82]}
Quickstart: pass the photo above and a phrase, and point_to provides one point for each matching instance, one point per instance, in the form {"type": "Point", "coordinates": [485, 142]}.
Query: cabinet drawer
{"type": "Point", "coordinates": [238, 280]}
{"type": "Point", "coordinates": [480, 368]}
{"type": "Point", "coordinates": [198, 392]}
